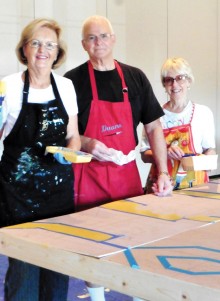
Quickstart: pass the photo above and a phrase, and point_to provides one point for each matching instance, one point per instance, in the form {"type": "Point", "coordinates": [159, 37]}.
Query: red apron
{"type": "Point", "coordinates": [111, 123]}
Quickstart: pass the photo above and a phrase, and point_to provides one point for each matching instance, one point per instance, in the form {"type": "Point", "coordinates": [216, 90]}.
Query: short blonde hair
{"type": "Point", "coordinates": [178, 64]}
{"type": "Point", "coordinates": [28, 32]}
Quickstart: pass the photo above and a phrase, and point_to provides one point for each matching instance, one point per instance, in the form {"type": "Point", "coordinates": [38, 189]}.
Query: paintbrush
{"type": "Point", "coordinates": [2, 97]}
{"type": "Point", "coordinates": [2, 91]}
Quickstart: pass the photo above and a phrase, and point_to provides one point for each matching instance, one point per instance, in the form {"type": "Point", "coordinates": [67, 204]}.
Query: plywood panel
{"type": "Point", "coordinates": [192, 256]}
{"type": "Point", "coordinates": [170, 244]}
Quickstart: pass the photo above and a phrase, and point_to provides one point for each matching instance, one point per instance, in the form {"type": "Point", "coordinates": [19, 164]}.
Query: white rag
{"type": "Point", "coordinates": [118, 157]}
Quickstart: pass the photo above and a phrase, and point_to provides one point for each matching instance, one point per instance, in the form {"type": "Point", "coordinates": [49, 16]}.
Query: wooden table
{"type": "Point", "coordinates": [159, 249]}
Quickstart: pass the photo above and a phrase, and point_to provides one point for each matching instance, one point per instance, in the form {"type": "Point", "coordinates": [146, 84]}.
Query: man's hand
{"type": "Point", "coordinates": [98, 149]}
{"type": "Point", "coordinates": [163, 186]}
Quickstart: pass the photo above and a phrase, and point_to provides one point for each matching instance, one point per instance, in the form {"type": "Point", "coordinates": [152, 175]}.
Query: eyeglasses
{"type": "Point", "coordinates": [48, 45]}
{"type": "Point", "coordinates": [104, 37]}
{"type": "Point", "coordinates": [180, 79]}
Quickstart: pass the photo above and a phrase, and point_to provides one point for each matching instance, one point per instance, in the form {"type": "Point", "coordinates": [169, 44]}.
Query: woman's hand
{"type": "Point", "coordinates": [175, 152]}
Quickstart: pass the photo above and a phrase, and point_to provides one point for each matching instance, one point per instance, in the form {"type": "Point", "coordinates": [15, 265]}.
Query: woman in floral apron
{"type": "Point", "coordinates": [188, 127]}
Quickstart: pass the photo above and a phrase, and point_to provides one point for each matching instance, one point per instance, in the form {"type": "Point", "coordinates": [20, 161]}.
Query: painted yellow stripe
{"type": "Point", "coordinates": [130, 207]}
{"type": "Point", "coordinates": [199, 194]}
{"type": "Point", "coordinates": [204, 218]}
{"type": "Point", "coordinates": [66, 229]}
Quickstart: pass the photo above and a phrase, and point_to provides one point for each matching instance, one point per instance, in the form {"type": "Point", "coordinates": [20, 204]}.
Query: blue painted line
{"type": "Point", "coordinates": [130, 258]}
{"type": "Point", "coordinates": [165, 262]}
{"type": "Point", "coordinates": [112, 245]}
{"type": "Point", "coordinates": [177, 247]}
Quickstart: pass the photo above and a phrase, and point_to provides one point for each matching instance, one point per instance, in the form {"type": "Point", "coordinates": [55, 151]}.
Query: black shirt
{"type": "Point", "coordinates": [145, 107]}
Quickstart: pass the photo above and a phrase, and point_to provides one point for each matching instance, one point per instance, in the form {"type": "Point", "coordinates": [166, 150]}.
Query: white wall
{"type": "Point", "coordinates": [147, 31]}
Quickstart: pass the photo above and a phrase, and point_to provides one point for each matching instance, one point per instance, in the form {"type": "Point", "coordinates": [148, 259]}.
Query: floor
{"type": "Point", "coordinates": [77, 290]}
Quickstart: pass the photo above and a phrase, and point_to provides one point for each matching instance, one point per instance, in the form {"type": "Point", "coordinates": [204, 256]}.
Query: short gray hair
{"type": "Point", "coordinates": [178, 64]}
{"type": "Point", "coordinates": [96, 19]}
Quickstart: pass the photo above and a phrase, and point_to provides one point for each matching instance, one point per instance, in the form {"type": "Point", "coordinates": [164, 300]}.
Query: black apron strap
{"type": "Point", "coordinates": [26, 86]}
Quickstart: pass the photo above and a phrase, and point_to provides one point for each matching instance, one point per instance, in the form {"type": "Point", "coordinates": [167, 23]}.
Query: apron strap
{"type": "Point", "coordinates": [193, 109]}
{"type": "Point", "coordinates": [93, 82]}
{"type": "Point", "coordinates": [26, 87]}
{"type": "Point", "coordinates": [124, 86]}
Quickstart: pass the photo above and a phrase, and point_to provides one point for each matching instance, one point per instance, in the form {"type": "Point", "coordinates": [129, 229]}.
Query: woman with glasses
{"type": "Point", "coordinates": [39, 110]}
{"type": "Point", "coordinates": [188, 127]}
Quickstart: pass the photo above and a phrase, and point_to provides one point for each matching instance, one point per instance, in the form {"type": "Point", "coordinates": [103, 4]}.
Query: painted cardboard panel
{"type": "Point", "coordinates": [116, 226]}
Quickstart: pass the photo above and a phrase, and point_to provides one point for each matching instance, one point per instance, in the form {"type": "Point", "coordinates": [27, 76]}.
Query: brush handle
{"type": "Point", "coordinates": [1, 100]}
{"type": "Point", "coordinates": [2, 89]}
{"type": "Point", "coordinates": [2, 97]}
{"type": "Point", "coordinates": [1, 121]}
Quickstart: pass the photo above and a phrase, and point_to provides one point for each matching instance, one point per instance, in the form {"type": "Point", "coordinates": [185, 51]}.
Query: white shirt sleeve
{"type": "Point", "coordinates": [203, 128]}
